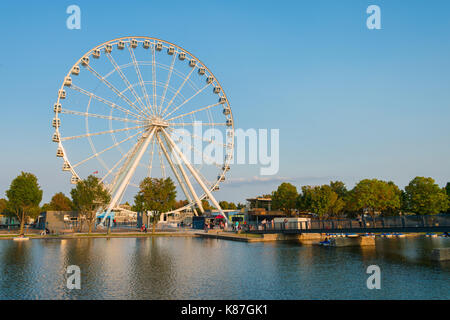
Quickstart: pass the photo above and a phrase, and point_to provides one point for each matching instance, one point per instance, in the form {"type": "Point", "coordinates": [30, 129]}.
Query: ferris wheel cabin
{"type": "Point", "coordinates": [75, 70]}
{"type": "Point", "coordinates": [57, 107]}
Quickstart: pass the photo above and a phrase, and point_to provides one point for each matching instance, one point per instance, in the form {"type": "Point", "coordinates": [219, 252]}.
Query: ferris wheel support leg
{"type": "Point", "coordinates": [186, 179]}
{"type": "Point", "coordinates": [175, 171]}
{"type": "Point", "coordinates": [124, 183]}
{"type": "Point", "coordinates": [195, 175]}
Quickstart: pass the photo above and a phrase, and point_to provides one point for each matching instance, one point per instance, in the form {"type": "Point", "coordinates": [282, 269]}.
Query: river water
{"type": "Point", "coordinates": [194, 268]}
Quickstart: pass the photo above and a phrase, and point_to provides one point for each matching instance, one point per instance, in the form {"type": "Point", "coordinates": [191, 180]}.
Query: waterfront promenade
{"type": "Point", "coordinates": [402, 224]}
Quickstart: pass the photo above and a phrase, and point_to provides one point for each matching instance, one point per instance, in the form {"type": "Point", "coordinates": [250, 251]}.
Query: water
{"type": "Point", "coordinates": [193, 268]}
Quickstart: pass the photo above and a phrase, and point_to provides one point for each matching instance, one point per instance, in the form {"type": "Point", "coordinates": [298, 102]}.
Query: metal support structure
{"type": "Point", "coordinates": [186, 179]}
{"type": "Point", "coordinates": [194, 174]}
{"type": "Point", "coordinates": [123, 183]}
{"type": "Point", "coordinates": [174, 169]}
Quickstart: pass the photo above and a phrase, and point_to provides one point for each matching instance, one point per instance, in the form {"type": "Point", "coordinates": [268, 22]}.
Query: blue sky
{"type": "Point", "coordinates": [350, 103]}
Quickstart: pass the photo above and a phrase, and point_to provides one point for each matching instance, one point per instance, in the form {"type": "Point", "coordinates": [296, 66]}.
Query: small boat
{"type": "Point", "coordinates": [399, 235]}
{"type": "Point", "coordinates": [351, 235]}
{"type": "Point", "coordinates": [21, 238]}
{"type": "Point", "coordinates": [431, 235]}
{"type": "Point", "coordinates": [324, 243]}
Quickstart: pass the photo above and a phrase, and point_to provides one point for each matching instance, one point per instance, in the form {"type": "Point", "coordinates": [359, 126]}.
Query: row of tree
{"type": "Point", "coordinates": [88, 196]}
{"type": "Point", "coordinates": [376, 197]}
{"type": "Point", "coordinates": [24, 196]}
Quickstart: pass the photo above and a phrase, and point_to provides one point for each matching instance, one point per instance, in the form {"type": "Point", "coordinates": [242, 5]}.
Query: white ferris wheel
{"type": "Point", "coordinates": [118, 115]}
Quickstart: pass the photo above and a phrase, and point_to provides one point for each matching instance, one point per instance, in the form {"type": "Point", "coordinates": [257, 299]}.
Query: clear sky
{"type": "Point", "coordinates": [350, 103]}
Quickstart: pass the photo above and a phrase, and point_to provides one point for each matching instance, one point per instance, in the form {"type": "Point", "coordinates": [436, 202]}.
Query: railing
{"type": "Point", "coordinates": [397, 222]}
{"type": "Point", "coordinates": [9, 226]}
{"type": "Point", "coordinates": [125, 224]}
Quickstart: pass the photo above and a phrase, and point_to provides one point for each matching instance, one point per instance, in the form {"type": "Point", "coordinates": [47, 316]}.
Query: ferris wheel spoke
{"type": "Point", "coordinates": [125, 80]}
{"type": "Point", "coordinates": [161, 162]}
{"type": "Point", "coordinates": [154, 77]}
{"type": "Point", "coordinates": [168, 81]}
{"type": "Point", "coordinates": [116, 164]}
{"type": "Point", "coordinates": [184, 124]}
{"type": "Point", "coordinates": [130, 87]}
{"type": "Point", "coordinates": [195, 111]}
{"type": "Point", "coordinates": [187, 100]}
{"type": "Point", "coordinates": [174, 169]}
{"type": "Point", "coordinates": [100, 133]}
{"type": "Point", "coordinates": [141, 81]}
{"type": "Point", "coordinates": [114, 89]}
{"type": "Point", "coordinates": [198, 137]}
{"type": "Point", "coordinates": [178, 91]}
{"type": "Point", "coordinates": [201, 154]}
{"type": "Point", "coordinates": [194, 173]}
{"type": "Point", "coordinates": [106, 149]}
{"type": "Point", "coordinates": [184, 174]}
{"type": "Point", "coordinates": [105, 101]}
{"type": "Point", "coordinates": [151, 159]}
{"type": "Point", "coordinates": [93, 115]}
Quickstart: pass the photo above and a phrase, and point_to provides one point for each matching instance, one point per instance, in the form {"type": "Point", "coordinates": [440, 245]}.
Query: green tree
{"type": "Point", "coordinates": [59, 202]}
{"type": "Point", "coordinates": [88, 197]}
{"type": "Point", "coordinates": [321, 200]}
{"type": "Point", "coordinates": [224, 205]}
{"type": "Point", "coordinates": [285, 197]}
{"type": "Point", "coordinates": [403, 201]}
{"type": "Point", "coordinates": [336, 205]}
{"type": "Point", "coordinates": [375, 196]}
{"type": "Point", "coordinates": [206, 205]}
{"type": "Point", "coordinates": [3, 205]}
{"type": "Point", "coordinates": [339, 188]}
{"type": "Point", "coordinates": [227, 205]}
{"type": "Point", "coordinates": [46, 207]}
{"type": "Point", "coordinates": [157, 195]}
{"type": "Point", "coordinates": [240, 206]}
{"type": "Point", "coordinates": [447, 190]}
{"type": "Point", "coordinates": [424, 196]}
{"type": "Point", "coordinates": [181, 203]}
{"type": "Point", "coordinates": [232, 206]}
{"type": "Point", "coordinates": [394, 210]}
{"type": "Point", "coordinates": [24, 196]}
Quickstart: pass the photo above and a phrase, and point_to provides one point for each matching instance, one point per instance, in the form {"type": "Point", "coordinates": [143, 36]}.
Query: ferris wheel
{"type": "Point", "coordinates": [137, 107]}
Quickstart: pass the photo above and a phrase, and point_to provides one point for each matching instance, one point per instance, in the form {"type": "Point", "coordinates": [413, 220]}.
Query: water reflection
{"type": "Point", "coordinates": [193, 268]}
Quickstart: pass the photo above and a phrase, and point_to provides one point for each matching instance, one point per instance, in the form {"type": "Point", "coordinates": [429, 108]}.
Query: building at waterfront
{"type": "Point", "coordinates": [260, 209]}
{"type": "Point", "coordinates": [6, 220]}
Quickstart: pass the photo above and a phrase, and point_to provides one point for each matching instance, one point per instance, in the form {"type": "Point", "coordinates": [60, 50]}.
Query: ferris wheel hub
{"type": "Point", "coordinates": [157, 121]}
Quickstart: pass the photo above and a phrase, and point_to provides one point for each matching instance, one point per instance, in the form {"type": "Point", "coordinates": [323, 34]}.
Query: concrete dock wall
{"type": "Point", "coordinates": [440, 254]}
{"type": "Point", "coordinates": [354, 241]}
